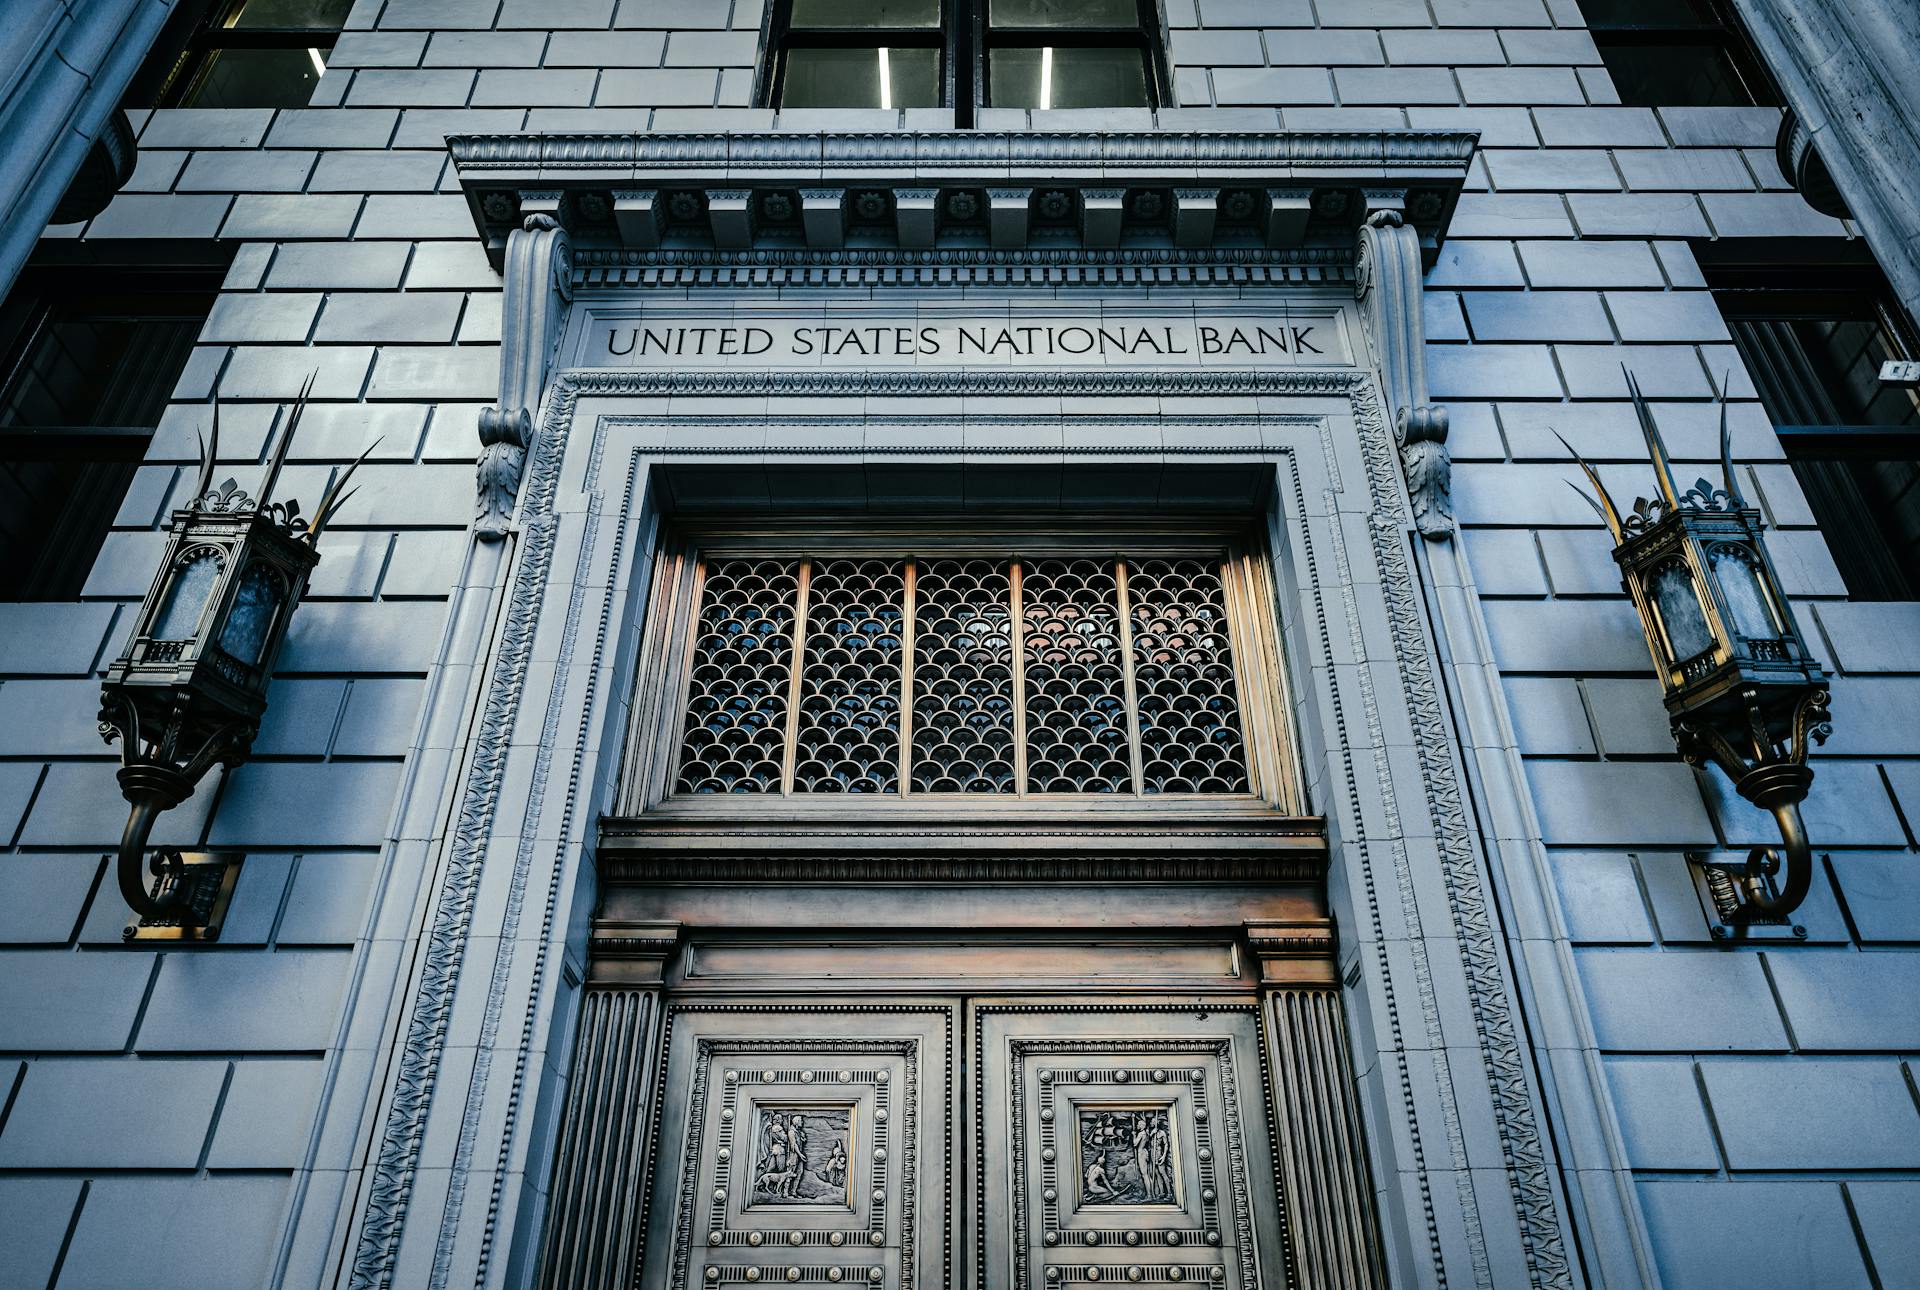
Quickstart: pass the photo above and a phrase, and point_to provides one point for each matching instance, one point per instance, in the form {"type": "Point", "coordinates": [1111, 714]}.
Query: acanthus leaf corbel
{"type": "Point", "coordinates": [537, 286]}
{"type": "Point", "coordinates": [1388, 285]}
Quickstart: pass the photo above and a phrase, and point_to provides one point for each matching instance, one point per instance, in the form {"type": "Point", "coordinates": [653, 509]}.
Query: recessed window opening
{"type": "Point", "coordinates": [242, 53]}
{"type": "Point", "coordinates": [1678, 53]}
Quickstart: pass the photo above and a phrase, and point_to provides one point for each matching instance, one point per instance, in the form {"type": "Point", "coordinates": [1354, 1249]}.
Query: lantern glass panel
{"type": "Point", "coordinates": [254, 608]}
{"type": "Point", "coordinates": [1740, 584]}
{"type": "Point", "coordinates": [1680, 612]}
{"type": "Point", "coordinates": [186, 600]}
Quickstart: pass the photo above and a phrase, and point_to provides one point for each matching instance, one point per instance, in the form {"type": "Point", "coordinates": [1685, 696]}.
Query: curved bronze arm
{"type": "Point", "coordinates": [1759, 903]}
{"type": "Point", "coordinates": [152, 789]}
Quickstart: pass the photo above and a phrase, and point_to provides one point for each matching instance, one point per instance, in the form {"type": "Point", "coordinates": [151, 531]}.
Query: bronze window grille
{"type": "Point", "coordinates": [949, 671]}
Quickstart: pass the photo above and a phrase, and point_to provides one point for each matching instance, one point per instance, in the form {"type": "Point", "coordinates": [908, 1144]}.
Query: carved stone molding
{"type": "Point", "coordinates": [824, 197]}
{"type": "Point", "coordinates": [536, 288]}
{"type": "Point", "coordinates": [1388, 272]}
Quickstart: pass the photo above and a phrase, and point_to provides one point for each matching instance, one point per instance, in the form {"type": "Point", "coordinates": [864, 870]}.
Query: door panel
{"type": "Point", "coordinates": [1125, 1143]}
{"type": "Point", "coordinates": [803, 1144]}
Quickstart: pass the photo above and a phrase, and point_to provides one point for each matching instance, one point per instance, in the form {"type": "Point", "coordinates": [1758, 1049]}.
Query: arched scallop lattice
{"type": "Point", "coordinates": [736, 727]}
{"type": "Point", "coordinates": [1076, 705]}
{"type": "Point", "coordinates": [963, 719]}
{"type": "Point", "coordinates": [849, 736]}
{"type": "Point", "coordinates": [965, 674]}
{"type": "Point", "coordinates": [1189, 712]}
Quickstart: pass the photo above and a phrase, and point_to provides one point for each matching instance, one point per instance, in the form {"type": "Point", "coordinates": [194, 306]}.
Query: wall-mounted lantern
{"type": "Point", "coordinates": [189, 689]}
{"type": "Point", "coordinates": [1742, 689]}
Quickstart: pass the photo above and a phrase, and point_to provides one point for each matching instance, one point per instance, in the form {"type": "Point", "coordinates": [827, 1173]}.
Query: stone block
{"type": "Point", "coordinates": [305, 804]}
{"type": "Point", "coordinates": [1395, 85]}
{"type": "Point", "coordinates": [39, 1211]}
{"type": "Point", "coordinates": [1492, 371]}
{"type": "Point", "coordinates": [601, 49]}
{"type": "Point", "coordinates": [1590, 264]}
{"type": "Point", "coordinates": [1666, 316]}
{"type": "Point", "coordinates": [380, 718]}
{"type": "Point", "coordinates": [1537, 315]}
{"type": "Point", "coordinates": [1768, 215]}
{"type": "Point", "coordinates": [279, 1001]}
{"type": "Point", "coordinates": [1525, 85]}
{"type": "Point", "coordinates": [366, 265]}
{"type": "Point", "coordinates": [37, 990]}
{"type": "Point", "coordinates": [1805, 1239]}
{"type": "Point", "coordinates": [333, 128]}
{"type": "Point", "coordinates": [1878, 893]}
{"type": "Point", "coordinates": [197, 128]}
{"type": "Point", "coordinates": [669, 14]}
{"type": "Point", "coordinates": [79, 805]}
{"type": "Point", "coordinates": [1505, 562]}
{"type": "Point", "coordinates": [1805, 563]}
{"type": "Point", "coordinates": [1600, 900]}
{"type": "Point", "coordinates": [1847, 1113]}
{"type": "Point", "coordinates": [268, 1115]}
{"type": "Point", "coordinates": [381, 317]}
{"type": "Point", "coordinates": [338, 432]}
{"type": "Point", "coordinates": [278, 372]}
{"type": "Point", "coordinates": [712, 49]}
{"type": "Point", "coordinates": [271, 170]}
{"type": "Point", "coordinates": [329, 901]}
{"type": "Point", "coordinates": [1413, 47]}
{"type": "Point", "coordinates": [161, 215]}
{"type": "Point", "coordinates": [434, 15]}
{"type": "Point", "coordinates": [124, 568]}
{"type": "Point", "coordinates": [1376, 13]}
{"type": "Point", "coordinates": [423, 565]}
{"type": "Point", "coordinates": [1563, 636]}
{"type": "Point", "coordinates": [1628, 716]}
{"type": "Point", "coordinates": [553, 15]}
{"type": "Point", "coordinates": [41, 896]}
{"type": "Point", "coordinates": [485, 49]}
{"type": "Point", "coordinates": [154, 172]}
{"type": "Point", "coordinates": [308, 216]}
{"type": "Point", "coordinates": [1491, 13]}
{"type": "Point", "coordinates": [156, 1233]}
{"type": "Point", "coordinates": [1289, 48]}
{"type": "Point", "coordinates": [1885, 1212]}
{"type": "Point", "coordinates": [1499, 127]}
{"type": "Point", "coordinates": [429, 127]}
{"type": "Point", "coordinates": [1343, 118]}
{"type": "Point", "coordinates": [1721, 127]}
{"type": "Point", "coordinates": [414, 87]}
{"type": "Point", "coordinates": [1256, 13]}
{"type": "Point", "coordinates": [1683, 169]}
{"type": "Point", "coordinates": [451, 265]}
{"type": "Point", "coordinates": [1275, 85]}
{"type": "Point", "coordinates": [377, 172]}
{"type": "Point", "coordinates": [678, 87]}
{"type": "Point", "coordinates": [1662, 1117]}
{"type": "Point", "coordinates": [1849, 806]}
{"type": "Point", "coordinates": [1552, 48]}
{"type": "Point", "coordinates": [262, 317]}
{"type": "Point", "coordinates": [354, 560]}
{"type": "Point", "coordinates": [1664, 371]}
{"type": "Point", "coordinates": [300, 718]}
{"type": "Point", "coordinates": [1842, 1000]}
{"type": "Point", "coordinates": [535, 87]}
{"type": "Point", "coordinates": [393, 636]}
{"type": "Point", "coordinates": [57, 1120]}
{"type": "Point", "coordinates": [52, 718]}
{"type": "Point", "coordinates": [1581, 804]}
{"type": "Point", "coordinates": [435, 372]}
{"type": "Point", "coordinates": [377, 49]}
{"type": "Point", "coordinates": [1222, 48]}
{"type": "Point", "coordinates": [1709, 1000]}
{"type": "Point", "coordinates": [1464, 263]}
{"type": "Point", "coordinates": [1872, 636]}
{"type": "Point", "coordinates": [1548, 716]}
{"type": "Point", "coordinates": [1638, 215]}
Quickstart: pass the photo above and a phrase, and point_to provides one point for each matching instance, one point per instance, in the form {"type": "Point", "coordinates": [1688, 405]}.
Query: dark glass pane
{"type": "Point", "coordinates": [861, 77]}
{"type": "Point", "coordinates": [1063, 77]}
{"type": "Point", "coordinates": [1648, 13]}
{"type": "Point", "coordinates": [260, 77]}
{"type": "Point", "coordinates": [193, 584]}
{"type": "Point", "coordinates": [321, 15]}
{"type": "Point", "coordinates": [89, 364]}
{"type": "Point", "coordinates": [1063, 13]}
{"type": "Point", "coordinates": [1676, 75]}
{"type": "Point", "coordinates": [1845, 356]}
{"type": "Point", "coordinates": [254, 608]}
{"type": "Point", "coordinates": [865, 13]}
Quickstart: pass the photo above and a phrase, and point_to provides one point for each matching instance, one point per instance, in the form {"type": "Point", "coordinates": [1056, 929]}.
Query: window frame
{"type": "Point", "coordinates": [663, 664]}
{"type": "Point", "coordinates": [965, 41]}
{"type": "Point", "coordinates": [1721, 30]}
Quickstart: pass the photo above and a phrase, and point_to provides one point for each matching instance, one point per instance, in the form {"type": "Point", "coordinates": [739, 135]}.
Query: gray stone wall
{"type": "Point", "coordinates": [162, 1104]}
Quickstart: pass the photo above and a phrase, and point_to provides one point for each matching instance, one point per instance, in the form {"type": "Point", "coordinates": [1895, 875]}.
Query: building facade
{"type": "Point", "coordinates": [958, 651]}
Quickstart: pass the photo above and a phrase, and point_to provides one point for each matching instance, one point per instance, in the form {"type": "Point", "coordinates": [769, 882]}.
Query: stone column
{"type": "Point", "coordinates": [1327, 1187]}
{"type": "Point", "coordinates": [602, 1166]}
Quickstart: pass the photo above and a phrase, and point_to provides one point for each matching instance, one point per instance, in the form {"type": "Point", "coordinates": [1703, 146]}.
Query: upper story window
{"type": "Point", "coordinates": [242, 53]}
{"type": "Point", "coordinates": [1678, 53]}
{"type": "Point", "coordinates": [965, 54]}
{"type": "Point", "coordinates": [90, 362]}
{"type": "Point", "coordinates": [948, 669]}
{"type": "Point", "coordinates": [1814, 338]}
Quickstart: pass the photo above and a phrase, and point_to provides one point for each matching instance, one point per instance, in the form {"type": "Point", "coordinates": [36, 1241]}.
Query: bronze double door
{"type": "Point", "coordinates": [997, 1142]}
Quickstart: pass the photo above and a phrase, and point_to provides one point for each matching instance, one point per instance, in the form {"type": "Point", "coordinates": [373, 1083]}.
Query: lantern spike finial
{"type": "Point", "coordinates": [1726, 448]}
{"type": "Point", "coordinates": [209, 453]}
{"type": "Point", "coordinates": [1604, 508]}
{"type": "Point", "coordinates": [335, 498]}
{"type": "Point", "coordinates": [1656, 447]}
{"type": "Point", "coordinates": [286, 439]}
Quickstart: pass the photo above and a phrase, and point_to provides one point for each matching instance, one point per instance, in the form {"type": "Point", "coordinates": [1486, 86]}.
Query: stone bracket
{"type": "Point", "coordinates": [1388, 279]}
{"type": "Point", "coordinates": [537, 285]}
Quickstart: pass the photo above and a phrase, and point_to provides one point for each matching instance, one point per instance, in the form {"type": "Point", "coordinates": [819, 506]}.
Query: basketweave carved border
{"type": "Point", "coordinates": [389, 1185]}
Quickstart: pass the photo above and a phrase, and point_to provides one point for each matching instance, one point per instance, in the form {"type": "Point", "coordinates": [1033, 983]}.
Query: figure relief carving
{"type": "Point", "coordinates": [1127, 1156]}
{"type": "Point", "coordinates": [800, 1157]}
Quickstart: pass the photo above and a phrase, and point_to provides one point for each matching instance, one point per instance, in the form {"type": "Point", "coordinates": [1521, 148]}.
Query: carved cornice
{"type": "Point", "coordinates": [818, 197]}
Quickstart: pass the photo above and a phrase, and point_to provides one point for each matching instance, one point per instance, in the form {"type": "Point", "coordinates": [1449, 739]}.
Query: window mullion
{"type": "Point", "coordinates": [1019, 661]}
{"type": "Point", "coordinates": [1126, 672]}
{"type": "Point", "coordinates": [799, 658]}
{"type": "Point", "coordinates": [906, 677]}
